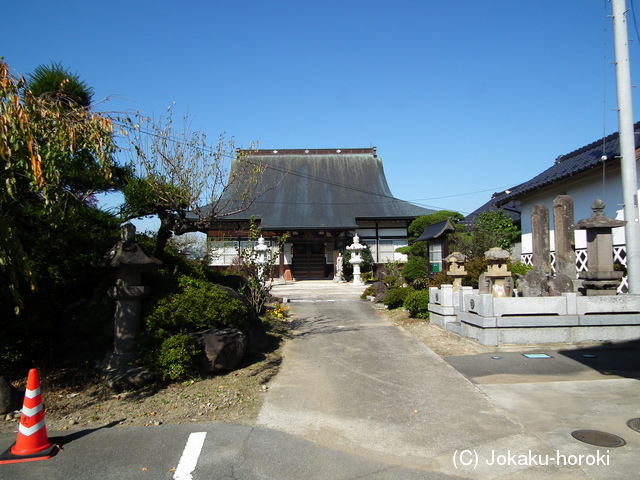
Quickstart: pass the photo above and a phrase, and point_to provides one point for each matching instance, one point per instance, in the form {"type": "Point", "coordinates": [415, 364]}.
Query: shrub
{"type": "Point", "coordinates": [177, 357]}
{"type": "Point", "coordinates": [370, 291]}
{"type": "Point", "coordinates": [396, 296]}
{"type": "Point", "coordinates": [165, 346]}
{"type": "Point", "coordinates": [199, 306]}
{"type": "Point", "coordinates": [417, 303]}
{"type": "Point", "coordinates": [474, 269]}
{"type": "Point", "coordinates": [392, 281]}
{"type": "Point", "coordinates": [519, 268]}
{"type": "Point", "coordinates": [415, 269]}
{"type": "Point", "coordinates": [440, 279]}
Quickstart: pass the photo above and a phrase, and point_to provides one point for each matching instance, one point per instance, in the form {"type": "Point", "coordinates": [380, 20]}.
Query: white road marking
{"type": "Point", "coordinates": [190, 455]}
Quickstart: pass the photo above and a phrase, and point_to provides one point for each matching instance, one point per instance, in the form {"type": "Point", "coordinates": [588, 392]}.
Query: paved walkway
{"type": "Point", "coordinates": [351, 380]}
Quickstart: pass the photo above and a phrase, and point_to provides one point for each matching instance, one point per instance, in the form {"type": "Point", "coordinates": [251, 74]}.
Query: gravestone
{"type": "Point", "coordinates": [601, 278]}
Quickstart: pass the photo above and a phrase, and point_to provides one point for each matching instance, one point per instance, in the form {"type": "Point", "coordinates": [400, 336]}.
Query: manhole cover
{"type": "Point", "coordinates": [600, 439]}
{"type": "Point", "coordinates": [634, 424]}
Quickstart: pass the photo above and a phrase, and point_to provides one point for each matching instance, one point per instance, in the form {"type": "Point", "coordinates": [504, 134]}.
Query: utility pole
{"type": "Point", "coordinates": [627, 145]}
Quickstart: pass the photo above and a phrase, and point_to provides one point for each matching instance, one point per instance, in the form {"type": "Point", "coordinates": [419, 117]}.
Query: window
{"type": "Point", "coordinates": [435, 257]}
{"type": "Point", "coordinates": [387, 250]}
{"type": "Point", "coordinates": [222, 252]}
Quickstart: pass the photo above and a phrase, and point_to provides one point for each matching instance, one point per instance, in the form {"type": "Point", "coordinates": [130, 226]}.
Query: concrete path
{"type": "Point", "coordinates": [353, 381]}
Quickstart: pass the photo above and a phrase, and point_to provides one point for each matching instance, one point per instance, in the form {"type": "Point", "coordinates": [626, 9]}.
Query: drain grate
{"type": "Point", "coordinates": [599, 439]}
{"type": "Point", "coordinates": [634, 424]}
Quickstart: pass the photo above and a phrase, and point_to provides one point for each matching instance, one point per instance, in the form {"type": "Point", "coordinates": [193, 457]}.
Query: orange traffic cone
{"type": "Point", "coordinates": [32, 442]}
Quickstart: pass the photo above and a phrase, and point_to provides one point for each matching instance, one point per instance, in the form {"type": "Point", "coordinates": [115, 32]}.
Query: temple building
{"type": "Point", "coordinates": [321, 198]}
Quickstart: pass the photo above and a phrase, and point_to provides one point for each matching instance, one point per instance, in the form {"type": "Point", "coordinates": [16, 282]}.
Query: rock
{"type": "Point", "coordinates": [534, 284]}
{"type": "Point", "coordinates": [380, 291]}
{"type": "Point", "coordinates": [223, 349]}
{"type": "Point", "coordinates": [256, 332]}
{"type": "Point", "coordinates": [10, 397]}
{"type": "Point", "coordinates": [559, 284]}
{"type": "Point", "coordinates": [123, 378]}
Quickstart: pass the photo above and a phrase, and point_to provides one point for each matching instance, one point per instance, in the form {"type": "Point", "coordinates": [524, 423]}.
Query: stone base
{"type": "Point", "coordinates": [568, 318]}
{"type": "Point", "coordinates": [117, 360]}
{"type": "Point", "coordinates": [127, 377]}
{"type": "Point", "coordinates": [494, 331]}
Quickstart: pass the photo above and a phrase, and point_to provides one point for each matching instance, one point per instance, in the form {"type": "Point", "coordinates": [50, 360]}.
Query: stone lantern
{"type": "Point", "coordinates": [601, 278]}
{"type": "Point", "coordinates": [456, 269]}
{"type": "Point", "coordinates": [128, 258]}
{"type": "Point", "coordinates": [356, 259]}
{"type": "Point", "coordinates": [261, 256]}
{"type": "Point", "coordinates": [497, 276]}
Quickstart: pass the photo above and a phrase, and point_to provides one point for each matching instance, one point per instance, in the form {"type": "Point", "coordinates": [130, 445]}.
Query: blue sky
{"type": "Point", "coordinates": [459, 97]}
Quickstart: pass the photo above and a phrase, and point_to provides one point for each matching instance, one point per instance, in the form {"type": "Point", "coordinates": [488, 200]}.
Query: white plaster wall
{"type": "Point", "coordinates": [583, 193]}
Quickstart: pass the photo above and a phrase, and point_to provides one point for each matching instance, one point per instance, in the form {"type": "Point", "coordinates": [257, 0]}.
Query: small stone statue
{"type": "Point", "coordinates": [339, 274]}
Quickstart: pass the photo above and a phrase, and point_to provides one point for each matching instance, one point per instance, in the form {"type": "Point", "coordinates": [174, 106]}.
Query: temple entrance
{"type": "Point", "coordinates": [308, 261]}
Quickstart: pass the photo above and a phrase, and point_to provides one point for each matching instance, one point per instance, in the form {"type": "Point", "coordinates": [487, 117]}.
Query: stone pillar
{"type": "Point", "coordinates": [564, 236]}
{"type": "Point", "coordinates": [540, 234]}
{"type": "Point", "coordinates": [535, 282]}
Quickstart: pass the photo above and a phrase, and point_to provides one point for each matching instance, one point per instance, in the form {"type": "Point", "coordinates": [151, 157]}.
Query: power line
{"type": "Point", "coordinates": [284, 171]}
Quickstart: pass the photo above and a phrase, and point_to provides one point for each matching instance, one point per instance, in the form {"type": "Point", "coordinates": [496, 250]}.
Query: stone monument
{"type": "Point", "coordinates": [541, 281]}
{"type": "Point", "coordinates": [601, 278]}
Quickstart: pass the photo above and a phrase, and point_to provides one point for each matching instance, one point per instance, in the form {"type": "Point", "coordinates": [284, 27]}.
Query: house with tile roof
{"type": "Point", "coordinates": [320, 197]}
{"type": "Point", "coordinates": [588, 173]}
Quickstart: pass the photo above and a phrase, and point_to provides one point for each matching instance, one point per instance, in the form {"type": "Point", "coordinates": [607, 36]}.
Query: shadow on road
{"type": "Point", "coordinates": [62, 441]}
{"type": "Point", "coordinates": [621, 359]}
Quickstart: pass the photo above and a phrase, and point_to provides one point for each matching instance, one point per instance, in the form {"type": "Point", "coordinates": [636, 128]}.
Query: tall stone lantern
{"type": "Point", "coordinates": [356, 259]}
{"type": "Point", "coordinates": [129, 260]}
{"type": "Point", "coordinates": [261, 256]}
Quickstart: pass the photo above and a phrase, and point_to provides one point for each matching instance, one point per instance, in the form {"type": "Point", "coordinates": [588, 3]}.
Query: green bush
{"type": "Point", "coordinates": [177, 357]}
{"type": "Point", "coordinates": [519, 268]}
{"type": "Point", "coordinates": [474, 268]}
{"type": "Point", "coordinates": [199, 306]}
{"type": "Point", "coordinates": [392, 281]}
{"type": "Point", "coordinates": [417, 303]}
{"type": "Point", "coordinates": [195, 305]}
{"type": "Point", "coordinates": [415, 269]}
{"type": "Point", "coordinates": [396, 296]}
{"type": "Point", "coordinates": [369, 291]}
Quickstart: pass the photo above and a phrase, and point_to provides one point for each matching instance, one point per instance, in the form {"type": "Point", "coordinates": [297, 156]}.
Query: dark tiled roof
{"type": "Point", "coordinates": [436, 230]}
{"type": "Point", "coordinates": [324, 189]}
{"type": "Point", "coordinates": [579, 161]}
{"type": "Point", "coordinates": [498, 201]}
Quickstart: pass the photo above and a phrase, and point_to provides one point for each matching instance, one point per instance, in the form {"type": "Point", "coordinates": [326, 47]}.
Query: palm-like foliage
{"type": "Point", "coordinates": [61, 85]}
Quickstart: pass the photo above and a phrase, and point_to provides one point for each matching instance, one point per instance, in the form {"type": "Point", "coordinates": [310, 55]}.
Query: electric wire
{"type": "Point", "coordinates": [306, 176]}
